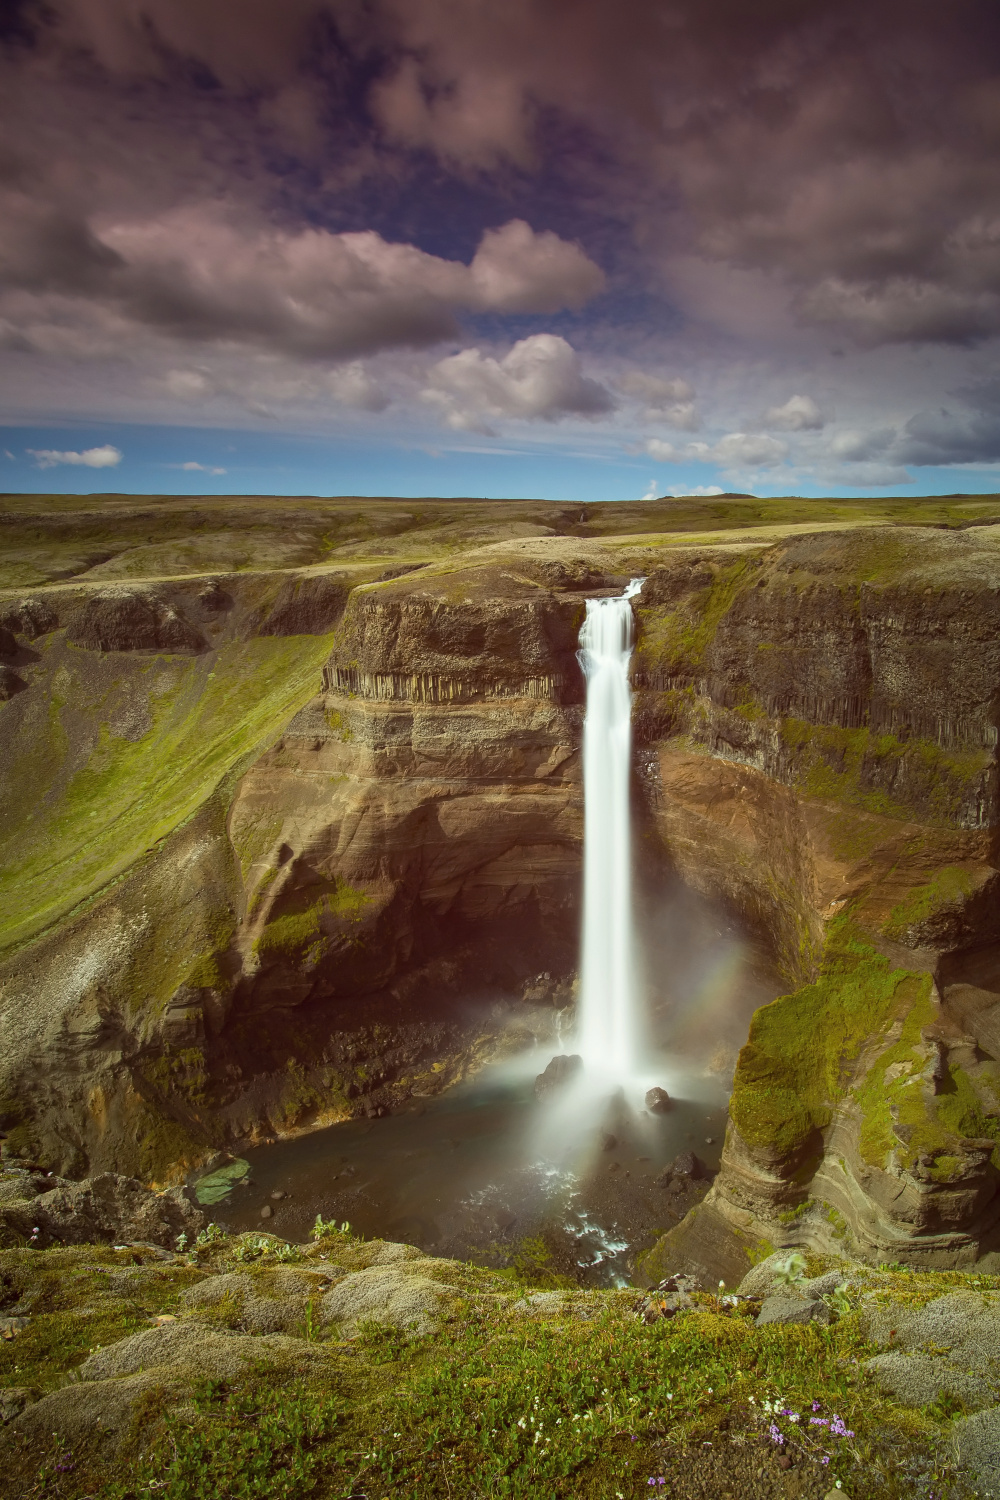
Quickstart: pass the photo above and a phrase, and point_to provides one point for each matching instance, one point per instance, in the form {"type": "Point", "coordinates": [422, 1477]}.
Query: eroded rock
{"type": "Point", "coordinates": [109, 1209]}
{"type": "Point", "coordinates": [122, 619]}
{"type": "Point", "coordinates": [559, 1072]}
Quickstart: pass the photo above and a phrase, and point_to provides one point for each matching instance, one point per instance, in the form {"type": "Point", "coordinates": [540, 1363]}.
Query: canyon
{"type": "Point", "coordinates": [292, 814]}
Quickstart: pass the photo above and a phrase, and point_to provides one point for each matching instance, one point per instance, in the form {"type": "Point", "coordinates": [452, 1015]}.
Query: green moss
{"type": "Point", "coordinates": [252, 837]}
{"type": "Point", "coordinates": [302, 932]}
{"type": "Point", "coordinates": [268, 878]}
{"type": "Point", "coordinates": [836, 1220]}
{"type": "Point", "coordinates": [751, 709]}
{"type": "Point", "coordinates": [931, 1123]}
{"type": "Point", "coordinates": [673, 643]}
{"type": "Point", "coordinates": [880, 773]}
{"type": "Point", "coordinates": [791, 1071]}
{"type": "Point", "coordinates": [335, 721]}
{"type": "Point", "coordinates": [71, 831]}
{"type": "Point", "coordinates": [792, 1215]}
{"type": "Point", "coordinates": [948, 887]}
{"type": "Point", "coordinates": [853, 836]}
{"type": "Point", "coordinates": [162, 1144]}
{"type": "Point", "coordinates": [614, 1400]}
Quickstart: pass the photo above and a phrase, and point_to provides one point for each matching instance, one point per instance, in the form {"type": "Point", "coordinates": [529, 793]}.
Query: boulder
{"type": "Point", "coordinates": [13, 1400]}
{"type": "Point", "coordinates": [557, 1074]}
{"type": "Point", "coordinates": [403, 1295]}
{"type": "Point", "coordinates": [920, 1379]}
{"type": "Point", "coordinates": [788, 1308]}
{"type": "Point", "coordinates": [31, 617]}
{"type": "Point", "coordinates": [672, 1295]}
{"type": "Point", "coordinates": [608, 1141]}
{"type": "Point", "coordinates": [684, 1165]}
{"type": "Point", "coordinates": [273, 1302]}
{"type": "Point", "coordinates": [963, 1326]}
{"type": "Point", "coordinates": [657, 1101]}
{"type": "Point", "coordinates": [10, 683]}
{"type": "Point", "coordinates": [107, 1209]}
{"type": "Point", "coordinates": [976, 1441]}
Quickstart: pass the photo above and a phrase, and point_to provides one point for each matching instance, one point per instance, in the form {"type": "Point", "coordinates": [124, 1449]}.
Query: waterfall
{"type": "Point", "coordinates": [607, 988]}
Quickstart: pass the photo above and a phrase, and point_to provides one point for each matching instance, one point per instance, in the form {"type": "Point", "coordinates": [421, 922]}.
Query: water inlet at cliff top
{"type": "Point", "coordinates": [609, 1021]}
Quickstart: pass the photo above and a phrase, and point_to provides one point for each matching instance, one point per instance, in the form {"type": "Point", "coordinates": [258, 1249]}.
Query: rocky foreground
{"type": "Point", "coordinates": [198, 1365]}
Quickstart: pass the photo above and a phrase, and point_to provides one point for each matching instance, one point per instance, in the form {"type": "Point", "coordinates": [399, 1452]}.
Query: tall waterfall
{"type": "Point", "coordinates": [608, 989]}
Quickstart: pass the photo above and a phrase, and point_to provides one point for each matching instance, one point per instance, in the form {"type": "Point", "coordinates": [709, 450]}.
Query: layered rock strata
{"type": "Point", "coordinates": [815, 726]}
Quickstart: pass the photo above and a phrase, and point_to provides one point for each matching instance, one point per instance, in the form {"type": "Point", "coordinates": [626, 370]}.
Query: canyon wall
{"type": "Point", "coordinates": [337, 853]}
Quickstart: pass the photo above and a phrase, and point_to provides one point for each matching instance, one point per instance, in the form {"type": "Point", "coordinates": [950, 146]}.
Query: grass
{"type": "Point", "coordinates": [948, 887]}
{"type": "Point", "coordinates": [244, 1443]}
{"type": "Point", "coordinates": [793, 1068]}
{"type": "Point", "coordinates": [302, 932]}
{"type": "Point", "coordinates": [879, 773]}
{"type": "Point", "coordinates": [673, 643]}
{"type": "Point", "coordinates": [76, 820]}
{"type": "Point", "coordinates": [584, 1401]}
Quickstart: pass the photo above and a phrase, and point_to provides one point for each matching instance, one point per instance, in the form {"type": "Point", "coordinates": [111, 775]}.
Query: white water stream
{"type": "Point", "coordinates": [608, 999]}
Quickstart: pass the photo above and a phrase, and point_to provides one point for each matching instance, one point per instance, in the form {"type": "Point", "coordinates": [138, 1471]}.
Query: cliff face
{"type": "Point", "coordinates": [329, 930]}
{"type": "Point", "coordinates": [371, 837]}
{"type": "Point", "coordinates": [849, 689]}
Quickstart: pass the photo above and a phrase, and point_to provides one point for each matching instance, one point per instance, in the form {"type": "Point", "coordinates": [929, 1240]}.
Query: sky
{"type": "Point", "coordinates": [563, 248]}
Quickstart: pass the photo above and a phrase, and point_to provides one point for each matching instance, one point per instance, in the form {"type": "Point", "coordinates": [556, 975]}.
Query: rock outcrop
{"type": "Point", "coordinates": [109, 1209]}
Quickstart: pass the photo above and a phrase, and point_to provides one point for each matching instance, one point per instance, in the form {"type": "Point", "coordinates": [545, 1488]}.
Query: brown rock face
{"type": "Point", "coordinates": [484, 634]}
{"type": "Point", "coordinates": [134, 620]}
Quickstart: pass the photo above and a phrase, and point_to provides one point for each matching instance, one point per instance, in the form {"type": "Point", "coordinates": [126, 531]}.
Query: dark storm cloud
{"type": "Point", "coordinates": [847, 148]}
{"type": "Point", "coordinates": [178, 173]}
{"type": "Point", "coordinates": [949, 437]}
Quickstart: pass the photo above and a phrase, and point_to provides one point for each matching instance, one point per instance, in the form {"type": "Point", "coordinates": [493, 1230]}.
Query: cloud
{"type": "Point", "coordinates": [904, 310]}
{"type": "Point", "coordinates": [516, 270]}
{"type": "Point", "coordinates": [735, 450]}
{"type": "Point", "coordinates": [105, 457]}
{"type": "Point", "coordinates": [700, 491]}
{"type": "Point", "coordinates": [949, 437]}
{"type": "Point", "coordinates": [864, 475]}
{"type": "Point", "coordinates": [799, 414]}
{"type": "Point", "coordinates": [353, 386]}
{"type": "Point", "coordinates": [541, 378]}
{"type": "Point", "coordinates": [199, 274]}
{"type": "Point", "coordinates": [652, 492]}
{"type": "Point", "coordinates": [858, 446]}
{"type": "Point", "coordinates": [191, 467]}
{"type": "Point", "coordinates": [669, 401]}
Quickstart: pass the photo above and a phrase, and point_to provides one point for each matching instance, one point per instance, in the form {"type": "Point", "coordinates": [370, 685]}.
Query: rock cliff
{"type": "Point", "coordinates": [272, 834]}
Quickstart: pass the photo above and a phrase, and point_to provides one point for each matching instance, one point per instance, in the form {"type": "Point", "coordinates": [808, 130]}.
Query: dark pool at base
{"type": "Point", "coordinates": [462, 1175]}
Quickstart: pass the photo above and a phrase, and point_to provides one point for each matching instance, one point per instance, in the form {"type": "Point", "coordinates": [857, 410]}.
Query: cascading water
{"type": "Point", "coordinates": [608, 1001]}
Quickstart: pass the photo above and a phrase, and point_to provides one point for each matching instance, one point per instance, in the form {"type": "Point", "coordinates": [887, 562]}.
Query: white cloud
{"type": "Point", "coordinates": [854, 446]}
{"type": "Point", "coordinates": [516, 270]}
{"type": "Point", "coordinates": [652, 493]}
{"type": "Point", "coordinates": [670, 401]}
{"type": "Point", "coordinates": [541, 378]}
{"type": "Point", "coordinates": [106, 457]}
{"type": "Point", "coordinates": [188, 385]}
{"type": "Point", "coordinates": [353, 386]}
{"type": "Point", "coordinates": [862, 475]}
{"type": "Point", "coordinates": [191, 467]}
{"type": "Point", "coordinates": [204, 274]}
{"type": "Point", "coordinates": [799, 414]}
{"type": "Point", "coordinates": [734, 450]}
{"type": "Point", "coordinates": [704, 491]}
